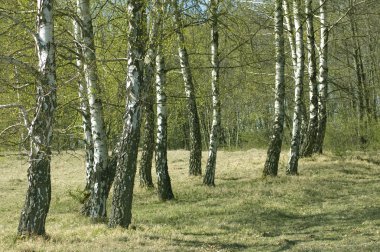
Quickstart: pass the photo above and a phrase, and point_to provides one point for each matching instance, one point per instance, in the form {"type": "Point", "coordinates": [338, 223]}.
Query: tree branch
{"type": "Point", "coordinates": [14, 61]}
{"type": "Point", "coordinates": [22, 109]}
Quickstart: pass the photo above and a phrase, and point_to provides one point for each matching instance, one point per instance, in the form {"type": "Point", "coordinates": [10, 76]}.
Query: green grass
{"type": "Point", "coordinates": [334, 205]}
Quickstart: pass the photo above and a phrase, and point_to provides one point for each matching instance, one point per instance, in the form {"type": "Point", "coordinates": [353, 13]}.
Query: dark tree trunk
{"type": "Point", "coordinates": [121, 212]}
{"type": "Point", "coordinates": [145, 171]}
{"type": "Point", "coordinates": [274, 150]}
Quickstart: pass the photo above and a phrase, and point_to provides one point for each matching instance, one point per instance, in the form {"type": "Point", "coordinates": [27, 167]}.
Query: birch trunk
{"type": "Point", "coordinates": [121, 212]}
{"type": "Point", "coordinates": [312, 129]}
{"type": "Point", "coordinates": [38, 195]}
{"type": "Point", "coordinates": [292, 168]}
{"type": "Point", "coordinates": [84, 110]}
{"type": "Point", "coordinates": [164, 187]}
{"type": "Point", "coordinates": [98, 197]}
{"type": "Point", "coordinates": [274, 149]}
{"type": "Point", "coordinates": [209, 178]}
{"type": "Point", "coordinates": [289, 24]}
{"type": "Point", "coordinates": [145, 171]}
{"type": "Point", "coordinates": [195, 132]}
{"type": "Point", "coordinates": [322, 79]}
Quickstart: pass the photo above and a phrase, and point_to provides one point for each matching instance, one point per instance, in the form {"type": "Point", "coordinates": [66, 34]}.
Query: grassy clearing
{"type": "Point", "coordinates": [334, 205]}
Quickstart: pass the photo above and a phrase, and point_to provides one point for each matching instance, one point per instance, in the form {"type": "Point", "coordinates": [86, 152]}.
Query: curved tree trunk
{"type": "Point", "coordinates": [308, 146]}
{"type": "Point", "coordinates": [292, 168]}
{"type": "Point", "coordinates": [99, 195]}
{"type": "Point", "coordinates": [121, 212]}
{"type": "Point", "coordinates": [195, 131]}
{"type": "Point", "coordinates": [323, 75]}
{"type": "Point", "coordinates": [38, 195]}
{"type": "Point", "coordinates": [215, 128]}
{"type": "Point", "coordinates": [274, 150]}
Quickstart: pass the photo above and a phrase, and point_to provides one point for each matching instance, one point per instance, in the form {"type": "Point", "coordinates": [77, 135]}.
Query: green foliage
{"type": "Point", "coordinates": [344, 136]}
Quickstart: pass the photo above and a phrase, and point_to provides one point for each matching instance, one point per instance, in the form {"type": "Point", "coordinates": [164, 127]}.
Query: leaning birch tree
{"type": "Point", "coordinates": [274, 149]}
{"type": "Point", "coordinates": [121, 211]}
{"type": "Point", "coordinates": [195, 131]}
{"type": "Point", "coordinates": [38, 195]}
{"type": "Point", "coordinates": [292, 168]}
{"type": "Point", "coordinates": [99, 190]}
{"type": "Point", "coordinates": [216, 117]}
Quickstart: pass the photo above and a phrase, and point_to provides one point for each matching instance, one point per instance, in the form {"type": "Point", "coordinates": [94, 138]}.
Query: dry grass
{"type": "Point", "coordinates": [334, 205]}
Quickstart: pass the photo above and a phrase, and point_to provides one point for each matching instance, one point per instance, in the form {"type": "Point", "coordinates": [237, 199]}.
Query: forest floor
{"type": "Point", "coordinates": [333, 205]}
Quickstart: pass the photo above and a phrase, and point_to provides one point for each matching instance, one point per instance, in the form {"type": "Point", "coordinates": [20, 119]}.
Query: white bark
{"type": "Point", "coordinates": [313, 86]}
{"type": "Point", "coordinates": [292, 168]}
{"type": "Point", "coordinates": [195, 132]}
{"type": "Point", "coordinates": [99, 191]}
{"type": "Point", "coordinates": [215, 128]}
{"type": "Point", "coordinates": [121, 212]}
{"type": "Point", "coordinates": [323, 78]}
{"type": "Point", "coordinates": [289, 24]}
{"type": "Point", "coordinates": [37, 202]}
{"type": "Point", "coordinates": [84, 109]}
{"type": "Point", "coordinates": [274, 149]}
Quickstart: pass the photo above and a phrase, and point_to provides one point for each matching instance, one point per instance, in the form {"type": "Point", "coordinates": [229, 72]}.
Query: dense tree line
{"type": "Point", "coordinates": [182, 74]}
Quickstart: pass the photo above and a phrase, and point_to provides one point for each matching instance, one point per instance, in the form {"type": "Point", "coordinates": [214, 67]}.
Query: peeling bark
{"type": "Point", "coordinates": [121, 212]}
{"type": "Point", "coordinates": [195, 131]}
{"type": "Point", "coordinates": [164, 187]}
{"type": "Point", "coordinates": [209, 178]}
{"type": "Point", "coordinates": [38, 196]}
{"type": "Point", "coordinates": [274, 149]}
{"type": "Point", "coordinates": [84, 111]}
{"type": "Point", "coordinates": [312, 129]}
{"type": "Point", "coordinates": [99, 195]}
{"type": "Point", "coordinates": [292, 168]}
{"type": "Point", "coordinates": [322, 79]}
{"type": "Point", "coordinates": [145, 171]}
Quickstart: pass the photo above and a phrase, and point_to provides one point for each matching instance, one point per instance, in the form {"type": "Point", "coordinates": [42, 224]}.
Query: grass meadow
{"type": "Point", "coordinates": [333, 205]}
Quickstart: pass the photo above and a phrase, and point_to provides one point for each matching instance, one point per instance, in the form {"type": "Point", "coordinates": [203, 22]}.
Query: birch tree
{"type": "Point", "coordinates": [164, 187]}
{"type": "Point", "coordinates": [216, 117]}
{"type": "Point", "coordinates": [99, 190]}
{"type": "Point", "coordinates": [311, 134]}
{"type": "Point", "coordinates": [274, 149]}
{"type": "Point", "coordinates": [145, 171]}
{"type": "Point", "coordinates": [84, 110]}
{"type": "Point", "coordinates": [38, 195]}
{"type": "Point", "coordinates": [121, 212]}
{"type": "Point", "coordinates": [322, 78]}
{"type": "Point", "coordinates": [292, 168]}
{"type": "Point", "coordinates": [195, 132]}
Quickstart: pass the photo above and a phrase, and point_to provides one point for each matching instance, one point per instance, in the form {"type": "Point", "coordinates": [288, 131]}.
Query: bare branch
{"type": "Point", "coordinates": [10, 127]}
{"type": "Point", "coordinates": [14, 61]}
{"type": "Point", "coordinates": [22, 109]}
